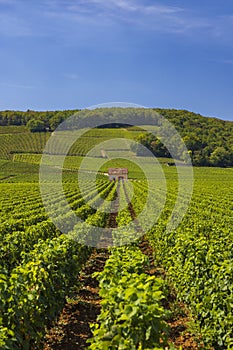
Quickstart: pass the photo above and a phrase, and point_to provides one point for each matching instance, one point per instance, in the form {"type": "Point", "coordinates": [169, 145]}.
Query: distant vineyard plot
{"type": "Point", "coordinates": [15, 141]}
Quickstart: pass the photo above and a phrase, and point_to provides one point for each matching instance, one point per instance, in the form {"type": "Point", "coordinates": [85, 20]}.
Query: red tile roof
{"type": "Point", "coordinates": [117, 171]}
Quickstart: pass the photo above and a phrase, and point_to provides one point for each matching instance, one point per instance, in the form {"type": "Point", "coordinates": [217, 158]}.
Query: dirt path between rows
{"type": "Point", "coordinates": [72, 329]}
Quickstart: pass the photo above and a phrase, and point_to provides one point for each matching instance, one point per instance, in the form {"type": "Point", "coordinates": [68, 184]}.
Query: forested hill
{"type": "Point", "coordinates": [40, 121]}
{"type": "Point", "coordinates": [209, 140]}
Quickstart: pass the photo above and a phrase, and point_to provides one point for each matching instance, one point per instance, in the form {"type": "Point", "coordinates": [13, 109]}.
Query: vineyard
{"type": "Point", "coordinates": [40, 265]}
{"type": "Point", "coordinates": [15, 142]}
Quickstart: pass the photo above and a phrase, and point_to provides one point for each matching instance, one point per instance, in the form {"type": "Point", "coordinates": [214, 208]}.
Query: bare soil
{"type": "Point", "coordinates": [72, 329]}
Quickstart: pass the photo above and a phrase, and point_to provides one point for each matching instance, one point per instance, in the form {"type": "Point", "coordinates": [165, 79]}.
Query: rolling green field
{"type": "Point", "coordinates": [39, 264]}
{"type": "Point", "coordinates": [17, 140]}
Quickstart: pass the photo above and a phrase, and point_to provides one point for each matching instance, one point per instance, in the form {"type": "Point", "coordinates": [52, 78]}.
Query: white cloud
{"type": "Point", "coordinates": [150, 16]}
{"type": "Point", "coordinates": [113, 7]}
{"type": "Point", "coordinates": [71, 76]}
{"type": "Point", "coordinates": [227, 61]}
{"type": "Point", "coordinates": [7, 2]}
{"type": "Point", "coordinates": [158, 17]}
{"type": "Point", "coordinates": [131, 6]}
{"type": "Point", "coordinates": [11, 25]}
{"type": "Point", "coordinates": [16, 85]}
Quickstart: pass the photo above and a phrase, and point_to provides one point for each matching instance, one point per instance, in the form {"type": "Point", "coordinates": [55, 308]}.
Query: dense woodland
{"type": "Point", "coordinates": [209, 140]}
{"type": "Point", "coordinates": [36, 121]}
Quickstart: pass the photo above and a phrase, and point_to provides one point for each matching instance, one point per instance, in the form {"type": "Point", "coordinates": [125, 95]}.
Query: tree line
{"type": "Point", "coordinates": [208, 140]}
{"type": "Point", "coordinates": [36, 121]}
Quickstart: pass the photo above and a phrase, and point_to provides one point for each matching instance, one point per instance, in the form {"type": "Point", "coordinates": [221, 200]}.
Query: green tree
{"type": "Point", "coordinates": [221, 157]}
{"type": "Point", "coordinates": [56, 120]}
{"type": "Point", "coordinates": [192, 142]}
{"type": "Point", "coordinates": [35, 125]}
{"type": "Point", "coordinates": [158, 149]}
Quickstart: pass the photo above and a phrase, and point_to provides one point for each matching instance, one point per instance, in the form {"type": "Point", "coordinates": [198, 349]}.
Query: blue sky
{"type": "Point", "coordinates": [66, 54]}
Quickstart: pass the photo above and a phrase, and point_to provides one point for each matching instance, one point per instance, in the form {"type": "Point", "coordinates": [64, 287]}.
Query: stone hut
{"type": "Point", "coordinates": [115, 174]}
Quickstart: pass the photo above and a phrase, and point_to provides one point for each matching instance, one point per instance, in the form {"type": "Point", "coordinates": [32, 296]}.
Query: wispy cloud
{"type": "Point", "coordinates": [115, 8]}
{"type": "Point", "coordinates": [12, 25]}
{"type": "Point", "coordinates": [152, 16]}
{"type": "Point", "coordinates": [7, 2]}
{"type": "Point", "coordinates": [230, 61]}
{"type": "Point", "coordinates": [71, 76]}
{"type": "Point", "coordinates": [18, 19]}
{"type": "Point", "coordinates": [17, 86]}
{"type": "Point", "coordinates": [159, 17]}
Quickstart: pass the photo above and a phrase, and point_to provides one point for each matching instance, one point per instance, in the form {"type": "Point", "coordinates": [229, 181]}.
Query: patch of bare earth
{"type": "Point", "coordinates": [72, 329]}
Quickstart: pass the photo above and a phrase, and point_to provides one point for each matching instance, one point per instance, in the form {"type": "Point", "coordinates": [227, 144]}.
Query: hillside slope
{"type": "Point", "coordinates": [209, 140]}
